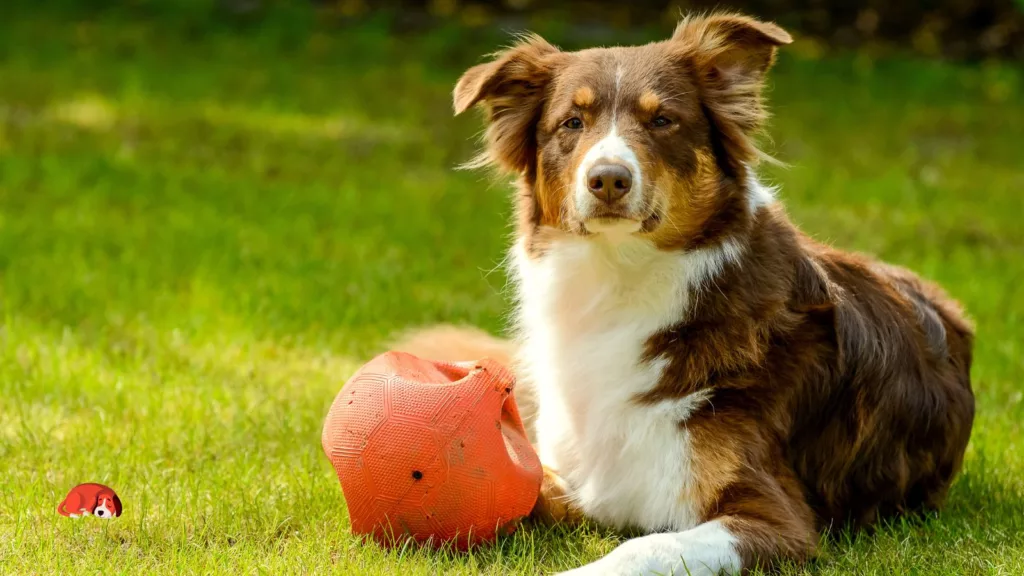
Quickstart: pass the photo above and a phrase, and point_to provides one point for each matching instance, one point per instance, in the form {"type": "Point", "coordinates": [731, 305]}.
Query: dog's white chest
{"type": "Point", "coordinates": [633, 466]}
{"type": "Point", "coordinates": [587, 312]}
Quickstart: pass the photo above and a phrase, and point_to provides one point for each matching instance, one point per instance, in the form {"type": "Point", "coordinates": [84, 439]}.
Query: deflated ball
{"type": "Point", "coordinates": [434, 451]}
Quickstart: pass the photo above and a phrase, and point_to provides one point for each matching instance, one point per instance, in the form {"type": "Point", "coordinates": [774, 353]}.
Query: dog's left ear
{"type": "Point", "coordinates": [732, 45]}
{"type": "Point", "coordinates": [117, 506]}
{"type": "Point", "coordinates": [731, 55]}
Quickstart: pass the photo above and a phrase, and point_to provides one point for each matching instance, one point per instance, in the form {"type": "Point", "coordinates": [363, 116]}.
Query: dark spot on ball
{"type": "Point", "coordinates": [417, 475]}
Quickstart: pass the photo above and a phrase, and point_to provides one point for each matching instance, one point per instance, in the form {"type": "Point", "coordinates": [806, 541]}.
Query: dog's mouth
{"type": "Point", "coordinates": [613, 222]}
{"type": "Point", "coordinates": [651, 222]}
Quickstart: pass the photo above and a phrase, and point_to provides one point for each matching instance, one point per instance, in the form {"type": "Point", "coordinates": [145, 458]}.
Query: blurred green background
{"type": "Point", "coordinates": [212, 212]}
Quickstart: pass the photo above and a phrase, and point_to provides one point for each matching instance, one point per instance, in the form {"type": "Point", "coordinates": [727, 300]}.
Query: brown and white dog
{"type": "Point", "coordinates": [702, 371]}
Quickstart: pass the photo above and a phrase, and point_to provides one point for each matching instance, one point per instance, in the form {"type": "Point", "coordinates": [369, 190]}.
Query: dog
{"type": "Point", "coordinates": [90, 499]}
{"type": "Point", "coordinates": [696, 368]}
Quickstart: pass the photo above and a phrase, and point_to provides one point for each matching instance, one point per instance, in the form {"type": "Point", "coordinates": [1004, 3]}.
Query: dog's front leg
{"type": "Point", "coordinates": [758, 521]}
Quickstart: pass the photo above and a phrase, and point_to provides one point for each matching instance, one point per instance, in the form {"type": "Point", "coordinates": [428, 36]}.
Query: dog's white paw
{"type": "Point", "coordinates": [707, 550]}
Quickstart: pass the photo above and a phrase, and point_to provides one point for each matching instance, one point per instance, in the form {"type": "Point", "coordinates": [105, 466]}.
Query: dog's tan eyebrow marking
{"type": "Point", "coordinates": [583, 97]}
{"type": "Point", "coordinates": [649, 102]}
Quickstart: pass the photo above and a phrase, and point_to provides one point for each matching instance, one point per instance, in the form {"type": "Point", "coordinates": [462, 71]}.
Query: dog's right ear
{"type": "Point", "coordinates": [511, 89]}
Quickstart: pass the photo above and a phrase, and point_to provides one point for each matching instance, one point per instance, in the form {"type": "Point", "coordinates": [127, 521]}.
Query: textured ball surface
{"type": "Point", "coordinates": [431, 450]}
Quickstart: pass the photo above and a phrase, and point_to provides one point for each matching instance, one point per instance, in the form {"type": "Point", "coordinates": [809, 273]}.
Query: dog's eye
{"type": "Point", "coordinates": [573, 123]}
{"type": "Point", "coordinates": [660, 122]}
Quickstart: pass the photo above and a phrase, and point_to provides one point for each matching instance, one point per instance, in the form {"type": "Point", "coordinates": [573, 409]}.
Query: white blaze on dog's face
{"type": "Point", "coordinates": [649, 140]}
{"type": "Point", "coordinates": [608, 182]}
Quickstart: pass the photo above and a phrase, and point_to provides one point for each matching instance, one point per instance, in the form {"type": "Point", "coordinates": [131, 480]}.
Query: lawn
{"type": "Point", "coordinates": [204, 230]}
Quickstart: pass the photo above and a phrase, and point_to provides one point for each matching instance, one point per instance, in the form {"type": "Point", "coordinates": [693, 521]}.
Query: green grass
{"type": "Point", "coordinates": [203, 232]}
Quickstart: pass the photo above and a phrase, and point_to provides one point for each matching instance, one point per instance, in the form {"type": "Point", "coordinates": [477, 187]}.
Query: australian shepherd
{"type": "Point", "coordinates": [697, 369]}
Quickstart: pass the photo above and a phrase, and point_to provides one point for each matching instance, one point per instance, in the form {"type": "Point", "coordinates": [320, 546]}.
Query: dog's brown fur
{"type": "Point", "coordinates": [840, 386]}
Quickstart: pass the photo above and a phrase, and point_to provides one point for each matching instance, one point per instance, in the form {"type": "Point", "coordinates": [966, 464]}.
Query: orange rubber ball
{"type": "Point", "coordinates": [434, 451]}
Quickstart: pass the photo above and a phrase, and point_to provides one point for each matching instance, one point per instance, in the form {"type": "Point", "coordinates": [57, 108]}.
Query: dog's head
{"type": "Point", "coordinates": [108, 505]}
{"type": "Point", "coordinates": [651, 140]}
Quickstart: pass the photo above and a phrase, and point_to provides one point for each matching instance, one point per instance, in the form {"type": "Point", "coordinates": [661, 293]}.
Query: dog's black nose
{"type": "Point", "coordinates": [609, 182]}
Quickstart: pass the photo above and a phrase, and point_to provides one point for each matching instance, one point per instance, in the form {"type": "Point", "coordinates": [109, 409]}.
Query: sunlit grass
{"type": "Point", "coordinates": [202, 237]}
